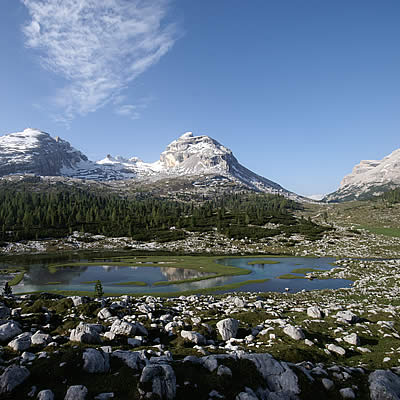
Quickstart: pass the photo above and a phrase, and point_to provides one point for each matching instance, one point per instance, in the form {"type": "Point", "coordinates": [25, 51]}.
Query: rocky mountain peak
{"type": "Point", "coordinates": [35, 151]}
{"type": "Point", "coordinates": [369, 178]}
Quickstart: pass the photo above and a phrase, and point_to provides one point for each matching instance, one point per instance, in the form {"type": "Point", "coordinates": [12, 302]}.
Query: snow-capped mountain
{"type": "Point", "coordinates": [369, 178]}
{"type": "Point", "coordinates": [191, 155]}
{"type": "Point", "coordinates": [36, 152]}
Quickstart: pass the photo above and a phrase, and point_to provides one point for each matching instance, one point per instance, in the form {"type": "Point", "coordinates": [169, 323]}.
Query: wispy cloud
{"type": "Point", "coordinates": [98, 47]}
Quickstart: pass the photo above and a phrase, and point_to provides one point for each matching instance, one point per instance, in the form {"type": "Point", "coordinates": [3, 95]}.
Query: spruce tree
{"type": "Point", "coordinates": [98, 290]}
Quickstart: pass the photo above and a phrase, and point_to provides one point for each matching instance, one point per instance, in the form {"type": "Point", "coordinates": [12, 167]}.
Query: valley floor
{"type": "Point", "coordinates": [327, 344]}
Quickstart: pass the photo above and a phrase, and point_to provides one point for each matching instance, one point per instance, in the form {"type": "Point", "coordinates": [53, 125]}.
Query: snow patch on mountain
{"type": "Point", "coordinates": [36, 152]}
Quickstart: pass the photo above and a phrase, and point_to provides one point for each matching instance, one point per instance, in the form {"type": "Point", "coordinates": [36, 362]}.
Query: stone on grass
{"type": "Point", "coordinates": [4, 312]}
{"type": "Point", "coordinates": [314, 312]}
{"type": "Point", "coordinates": [45, 395]}
{"type": "Point", "coordinates": [278, 376]}
{"type": "Point", "coordinates": [352, 339]}
{"type": "Point", "coordinates": [294, 332]}
{"type": "Point", "coordinates": [336, 349]}
{"type": "Point", "coordinates": [228, 328]}
{"type": "Point", "coordinates": [347, 316]}
{"type": "Point", "coordinates": [12, 377]}
{"type": "Point", "coordinates": [76, 392]}
{"type": "Point", "coordinates": [9, 330]}
{"type": "Point", "coordinates": [40, 338]}
{"type": "Point", "coordinates": [22, 342]}
{"type": "Point", "coordinates": [194, 337]}
{"type": "Point", "coordinates": [384, 385]}
{"type": "Point", "coordinates": [104, 313]}
{"type": "Point", "coordinates": [133, 359]}
{"type": "Point", "coordinates": [160, 380]}
{"type": "Point", "coordinates": [95, 361]}
{"type": "Point", "coordinates": [85, 333]}
{"type": "Point", "coordinates": [123, 328]}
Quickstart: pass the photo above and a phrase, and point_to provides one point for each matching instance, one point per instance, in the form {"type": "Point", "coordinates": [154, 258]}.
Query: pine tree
{"type": "Point", "coordinates": [7, 290]}
{"type": "Point", "coordinates": [98, 290]}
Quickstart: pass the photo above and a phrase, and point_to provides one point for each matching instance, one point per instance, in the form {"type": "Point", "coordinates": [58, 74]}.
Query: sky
{"type": "Point", "coordinates": [300, 91]}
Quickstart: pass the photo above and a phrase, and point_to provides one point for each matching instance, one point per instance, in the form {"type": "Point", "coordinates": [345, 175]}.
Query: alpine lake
{"type": "Point", "coordinates": [164, 274]}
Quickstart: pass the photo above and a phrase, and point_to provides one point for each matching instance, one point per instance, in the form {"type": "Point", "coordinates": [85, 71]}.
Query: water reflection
{"type": "Point", "coordinates": [39, 277]}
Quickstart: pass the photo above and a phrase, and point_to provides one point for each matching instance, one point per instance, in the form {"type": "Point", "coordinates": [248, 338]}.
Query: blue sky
{"type": "Point", "coordinates": [300, 91]}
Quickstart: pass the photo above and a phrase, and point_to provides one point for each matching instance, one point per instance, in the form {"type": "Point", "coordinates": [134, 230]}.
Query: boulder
{"type": "Point", "coordinates": [294, 332]}
{"type": "Point", "coordinates": [314, 312]}
{"type": "Point", "coordinates": [336, 349]}
{"type": "Point", "coordinates": [12, 377]}
{"type": "Point", "coordinates": [4, 312]}
{"type": "Point", "coordinates": [77, 392]}
{"type": "Point", "coordinates": [123, 328]}
{"type": "Point", "coordinates": [85, 333]}
{"type": "Point", "coordinates": [328, 384]}
{"type": "Point", "coordinates": [41, 339]}
{"type": "Point", "coordinates": [133, 359]}
{"type": "Point", "coordinates": [9, 330]}
{"type": "Point", "coordinates": [384, 385]}
{"type": "Point", "coordinates": [95, 361]}
{"type": "Point", "coordinates": [228, 328]}
{"type": "Point", "coordinates": [161, 379]}
{"type": "Point", "coordinates": [194, 337]}
{"type": "Point", "coordinates": [45, 395]}
{"type": "Point", "coordinates": [104, 313]}
{"type": "Point", "coordinates": [352, 339]}
{"type": "Point", "coordinates": [347, 316]}
{"type": "Point", "coordinates": [347, 393]}
{"type": "Point", "coordinates": [277, 375]}
{"type": "Point", "coordinates": [22, 342]}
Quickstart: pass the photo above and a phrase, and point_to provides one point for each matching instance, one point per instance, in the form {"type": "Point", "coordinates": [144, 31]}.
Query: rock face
{"type": "Point", "coordinates": [36, 152]}
{"type": "Point", "coordinates": [368, 178]}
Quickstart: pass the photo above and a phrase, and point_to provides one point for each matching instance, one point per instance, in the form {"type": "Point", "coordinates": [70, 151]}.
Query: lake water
{"type": "Point", "coordinates": [38, 277]}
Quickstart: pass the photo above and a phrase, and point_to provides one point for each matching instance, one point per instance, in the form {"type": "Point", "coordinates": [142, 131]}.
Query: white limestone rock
{"type": "Point", "coordinates": [315, 312]}
{"type": "Point", "coordinates": [194, 337]}
{"type": "Point", "coordinates": [294, 332]}
{"type": "Point", "coordinates": [85, 333]}
{"type": "Point", "coordinates": [9, 330]}
{"type": "Point", "coordinates": [352, 339]}
{"type": "Point", "coordinates": [228, 328]}
{"type": "Point", "coordinates": [22, 342]}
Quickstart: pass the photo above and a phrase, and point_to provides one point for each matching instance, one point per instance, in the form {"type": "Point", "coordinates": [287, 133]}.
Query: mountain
{"type": "Point", "coordinates": [369, 178]}
{"type": "Point", "coordinates": [199, 158]}
{"type": "Point", "coordinates": [191, 156]}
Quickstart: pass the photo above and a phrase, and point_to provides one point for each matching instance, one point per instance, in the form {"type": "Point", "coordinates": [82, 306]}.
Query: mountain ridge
{"type": "Point", "coordinates": [36, 152]}
{"type": "Point", "coordinates": [369, 178]}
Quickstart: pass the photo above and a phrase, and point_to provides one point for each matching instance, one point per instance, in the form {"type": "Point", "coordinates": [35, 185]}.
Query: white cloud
{"type": "Point", "coordinates": [128, 110]}
{"type": "Point", "coordinates": [98, 47]}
